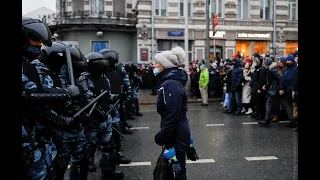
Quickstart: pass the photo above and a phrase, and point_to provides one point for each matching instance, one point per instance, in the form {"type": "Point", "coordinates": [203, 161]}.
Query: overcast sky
{"type": "Point", "coordinates": [30, 5]}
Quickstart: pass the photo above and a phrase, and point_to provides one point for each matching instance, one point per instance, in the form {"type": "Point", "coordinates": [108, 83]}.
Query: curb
{"type": "Point", "coordinates": [190, 101]}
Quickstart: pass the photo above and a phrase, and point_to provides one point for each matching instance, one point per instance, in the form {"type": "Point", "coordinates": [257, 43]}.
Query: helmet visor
{"type": "Point", "coordinates": [39, 32]}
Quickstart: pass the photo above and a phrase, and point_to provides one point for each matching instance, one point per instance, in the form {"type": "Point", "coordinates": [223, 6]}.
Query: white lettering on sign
{"type": "Point", "coordinates": [219, 34]}
{"type": "Point", "coordinates": [249, 35]}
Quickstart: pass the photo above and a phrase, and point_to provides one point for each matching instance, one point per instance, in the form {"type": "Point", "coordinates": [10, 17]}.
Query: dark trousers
{"type": "Point", "coordinates": [286, 104]}
{"type": "Point", "coordinates": [259, 103]}
{"type": "Point", "coordinates": [238, 101]}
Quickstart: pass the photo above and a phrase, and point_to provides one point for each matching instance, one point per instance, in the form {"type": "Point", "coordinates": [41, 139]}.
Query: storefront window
{"type": "Point", "coordinates": [243, 47]}
{"type": "Point", "coordinates": [260, 47]}
{"type": "Point", "coordinates": [291, 47]}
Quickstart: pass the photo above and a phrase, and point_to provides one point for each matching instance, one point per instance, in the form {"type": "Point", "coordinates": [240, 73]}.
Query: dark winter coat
{"type": "Point", "coordinates": [274, 80]}
{"type": "Point", "coordinates": [237, 76]}
{"type": "Point", "coordinates": [213, 77]}
{"type": "Point", "coordinates": [295, 83]}
{"type": "Point", "coordinates": [258, 79]}
{"type": "Point", "coordinates": [289, 73]}
{"type": "Point", "coordinates": [228, 80]}
{"type": "Point", "coordinates": [172, 105]}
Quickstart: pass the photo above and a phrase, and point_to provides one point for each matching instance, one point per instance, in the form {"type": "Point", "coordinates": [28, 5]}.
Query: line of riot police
{"type": "Point", "coordinates": [57, 82]}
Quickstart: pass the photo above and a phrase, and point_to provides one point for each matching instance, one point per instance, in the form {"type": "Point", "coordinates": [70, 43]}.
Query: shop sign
{"type": "Point", "coordinates": [253, 35]}
{"type": "Point", "coordinates": [175, 33]}
{"type": "Point", "coordinates": [144, 55]}
{"type": "Point", "coordinates": [219, 34]}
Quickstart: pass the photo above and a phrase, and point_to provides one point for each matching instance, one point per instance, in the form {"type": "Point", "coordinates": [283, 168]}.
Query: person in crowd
{"type": "Point", "coordinates": [212, 79]}
{"type": "Point", "coordinates": [203, 84]}
{"type": "Point", "coordinates": [172, 105]}
{"type": "Point", "coordinates": [274, 89]}
{"type": "Point", "coordinates": [246, 90]}
{"type": "Point", "coordinates": [295, 95]}
{"type": "Point", "coordinates": [153, 81]}
{"type": "Point", "coordinates": [258, 79]}
{"type": "Point", "coordinates": [195, 91]}
{"type": "Point", "coordinates": [286, 98]}
{"type": "Point", "coordinates": [236, 85]}
{"type": "Point", "coordinates": [228, 81]}
{"type": "Point", "coordinates": [282, 63]}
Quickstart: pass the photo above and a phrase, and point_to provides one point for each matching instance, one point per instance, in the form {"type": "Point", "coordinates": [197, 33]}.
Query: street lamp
{"type": "Point", "coordinates": [55, 35]}
{"type": "Point", "coordinates": [99, 33]}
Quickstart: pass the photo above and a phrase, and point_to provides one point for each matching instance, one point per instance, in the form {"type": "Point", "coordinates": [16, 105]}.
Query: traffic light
{"type": "Point", "coordinates": [215, 23]}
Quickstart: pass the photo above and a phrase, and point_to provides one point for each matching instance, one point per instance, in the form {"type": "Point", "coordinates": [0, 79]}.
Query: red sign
{"type": "Point", "coordinates": [144, 55]}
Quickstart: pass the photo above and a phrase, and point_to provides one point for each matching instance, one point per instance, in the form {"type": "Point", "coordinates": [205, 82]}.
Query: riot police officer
{"type": "Point", "coordinates": [115, 75]}
{"type": "Point", "coordinates": [98, 131]}
{"type": "Point", "coordinates": [37, 161]}
{"type": "Point", "coordinates": [127, 89]}
{"type": "Point", "coordinates": [69, 139]}
{"type": "Point", "coordinates": [133, 70]}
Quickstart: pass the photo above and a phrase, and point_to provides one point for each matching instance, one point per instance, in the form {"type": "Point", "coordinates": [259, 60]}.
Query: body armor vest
{"type": "Point", "coordinates": [116, 80]}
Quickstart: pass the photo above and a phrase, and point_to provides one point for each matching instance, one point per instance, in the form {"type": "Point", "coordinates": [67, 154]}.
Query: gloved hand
{"type": "Point", "coordinates": [176, 169]}
{"type": "Point", "coordinates": [191, 151]}
{"type": "Point", "coordinates": [170, 155]}
{"type": "Point", "coordinates": [67, 120]}
{"type": "Point", "coordinates": [82, 117]}
{"type": "Point", "coordinates": [73, 91]}
{"type": "Point", "coordinates": [115, 97]}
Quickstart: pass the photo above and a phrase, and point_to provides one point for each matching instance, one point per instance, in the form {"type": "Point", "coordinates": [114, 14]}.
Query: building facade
{"type": "Point", "coordinates": [93, 25]}
{"type": "Point", "coordinates": [244, 26]}
{"type": "Point", "coordinates": [41, 14]}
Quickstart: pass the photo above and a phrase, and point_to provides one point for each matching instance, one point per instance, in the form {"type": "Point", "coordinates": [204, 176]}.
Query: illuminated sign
{"type": "Point", "coordinates": [219, 34]}
{"type": "Point", "coordinates": [252, 35]}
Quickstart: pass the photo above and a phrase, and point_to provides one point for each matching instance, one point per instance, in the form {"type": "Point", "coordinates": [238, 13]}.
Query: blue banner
{"type": "Point", "coordinates": [175, 33]}
{"type": "Point", "coordinates": [98, 45]}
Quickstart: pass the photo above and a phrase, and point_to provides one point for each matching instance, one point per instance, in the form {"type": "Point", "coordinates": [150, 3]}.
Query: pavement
{"type": "Point", "coordinates": [229, 147]}
{"type": "Point", "coordinates": [146, 99]}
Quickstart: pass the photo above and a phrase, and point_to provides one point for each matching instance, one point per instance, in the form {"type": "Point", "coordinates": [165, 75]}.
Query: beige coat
{"type": "Point", "coordinates": [246, 89]}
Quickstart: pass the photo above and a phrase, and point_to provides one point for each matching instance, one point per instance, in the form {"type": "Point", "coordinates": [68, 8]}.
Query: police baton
{"type": "Point", "coordinates": [69, 62]}
{"type": "Point", "coordinates": [88, 105]}
{"type": "Point", "coordinates": [113, 128]}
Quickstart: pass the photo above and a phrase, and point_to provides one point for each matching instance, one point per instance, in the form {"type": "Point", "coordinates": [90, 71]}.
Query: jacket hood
{"type": "Point", "coordinates": [236, 63]}
{"type": "Point", "coordinates": [174, 74]}
{"type": "Point", "coordinates": [273, 65]}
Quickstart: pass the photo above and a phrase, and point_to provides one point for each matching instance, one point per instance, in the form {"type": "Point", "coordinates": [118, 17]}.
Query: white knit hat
{"type": "Point", "coordinates": [173, 58]}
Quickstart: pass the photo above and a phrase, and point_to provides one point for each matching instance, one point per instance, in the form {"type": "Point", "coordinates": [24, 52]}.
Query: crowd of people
{"type": "Point", "coordinates": [75, 105]}
{"type": "Point", "coordinates": [260, 86]}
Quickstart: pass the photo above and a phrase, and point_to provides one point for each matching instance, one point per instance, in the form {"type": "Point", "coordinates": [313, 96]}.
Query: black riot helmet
{"type": "Point", "coordinates": [110, 55]}
{"type": "Point", "coordinates": [55, 56]}
{"type": "Point", "coordinates": [34, 29]}
{"type": "Point", "coordinates": [96, 64]}
{"type": "Point", "coordinates": [79, 61]}
{"type": "Point", "coordinates": [33, 34]}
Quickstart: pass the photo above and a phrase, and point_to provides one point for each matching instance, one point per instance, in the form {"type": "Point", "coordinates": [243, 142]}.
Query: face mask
{"type": "Point", "coordinates": [155, 71]}
{"type": "Point", "coordinates": [254, 64]}
{"type": "Point", "coordinates": [33, 52]}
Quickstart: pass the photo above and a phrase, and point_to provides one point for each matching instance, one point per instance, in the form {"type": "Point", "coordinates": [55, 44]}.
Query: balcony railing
{"type": "Point", "coordinates": [77, 18]}
{"type": "Point", "coordinates": [223, 22]}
